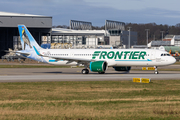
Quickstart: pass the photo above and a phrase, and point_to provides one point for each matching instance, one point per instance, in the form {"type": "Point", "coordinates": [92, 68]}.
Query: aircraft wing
{"type": "Point", "coordinates": [71, 59]}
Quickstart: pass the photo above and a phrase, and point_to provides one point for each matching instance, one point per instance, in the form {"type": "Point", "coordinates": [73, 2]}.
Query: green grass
{"type": "Point", "coordinates": [96, 100]}
{"type": "Point", "coordinates": [177, 63]}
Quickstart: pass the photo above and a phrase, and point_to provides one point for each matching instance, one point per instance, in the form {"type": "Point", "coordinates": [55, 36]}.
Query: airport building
{"type": "Point", "coordinates": [80, 34]}
{"type": "Point", "coordinates": [9, 35]}
{"type": "Point", "coordinates": [169, 40]}
{"type": "Point", "coordinates": [92, 38]}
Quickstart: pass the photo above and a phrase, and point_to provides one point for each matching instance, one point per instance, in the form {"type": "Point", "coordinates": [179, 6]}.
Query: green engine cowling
{"type": "Point", "coordinates": [98, 66]}
{"type": "Point", "coordinates": [122, 68]}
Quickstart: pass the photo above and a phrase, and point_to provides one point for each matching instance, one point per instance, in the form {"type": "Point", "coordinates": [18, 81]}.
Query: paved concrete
{"type": "Point", "coordinates": [74, 74]}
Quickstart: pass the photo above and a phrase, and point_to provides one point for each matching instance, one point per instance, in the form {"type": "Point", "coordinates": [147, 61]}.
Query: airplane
{"type": "Point", "coordinates": [97, 60]}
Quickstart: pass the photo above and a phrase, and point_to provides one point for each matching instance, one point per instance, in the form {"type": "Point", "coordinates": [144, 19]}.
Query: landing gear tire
{"type": "Point", "coordinates": [85, 71]}
{"type": "Point", "coordinates": [156, 72]}
{"type": "Point", "coordinates": [101, 72]}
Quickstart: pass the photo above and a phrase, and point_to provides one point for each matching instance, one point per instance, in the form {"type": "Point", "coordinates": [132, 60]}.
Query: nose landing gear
{"type": "Point", "coordinates": [156, 70]}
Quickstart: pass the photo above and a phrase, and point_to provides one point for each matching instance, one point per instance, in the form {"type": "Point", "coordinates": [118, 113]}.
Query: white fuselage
{"type": "Point", "coordinates": [114, 57]}
{"type": "Point", "coordinates": [97, 60]}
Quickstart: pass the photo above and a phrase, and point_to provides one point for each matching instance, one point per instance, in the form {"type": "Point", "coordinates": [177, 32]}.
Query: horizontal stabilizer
{"type": "Point", "coordinates": [22, 53]}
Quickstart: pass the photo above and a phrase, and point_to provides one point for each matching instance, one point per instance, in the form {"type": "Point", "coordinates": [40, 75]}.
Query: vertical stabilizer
{"type": "Point", "coordinates": [27, 40]}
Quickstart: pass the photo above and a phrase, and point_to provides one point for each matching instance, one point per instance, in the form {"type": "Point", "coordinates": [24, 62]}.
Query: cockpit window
{"type": "Point", "coordinates": [165, 54]}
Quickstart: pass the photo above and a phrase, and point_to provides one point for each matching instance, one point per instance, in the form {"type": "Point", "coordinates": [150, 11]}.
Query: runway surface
{"type": "Point", "coordinates": [74, 74]}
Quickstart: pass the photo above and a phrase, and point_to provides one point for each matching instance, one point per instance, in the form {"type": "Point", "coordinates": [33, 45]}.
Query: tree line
{"type": "Point", "coordinates": [154, 32]}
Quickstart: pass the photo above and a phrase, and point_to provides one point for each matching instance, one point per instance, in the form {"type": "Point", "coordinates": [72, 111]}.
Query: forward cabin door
{"type": "Point", "coordinates": [152, 58]}
{"type": "Point", "coordinates": [156, 58]}
{"type": "Point", "coordinates": [153, 55]}
{"type": "Point", "coordinates": [72, 54]}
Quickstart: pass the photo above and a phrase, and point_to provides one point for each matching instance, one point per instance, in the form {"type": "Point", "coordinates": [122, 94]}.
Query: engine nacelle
{"type": "Point", "coordinates": [98, 66]}
{"type": "Point", "coordinates": [122, 68]}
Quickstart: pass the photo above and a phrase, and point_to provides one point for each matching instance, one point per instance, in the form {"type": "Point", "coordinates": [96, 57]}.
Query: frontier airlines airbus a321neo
{"type": "Point", "coordinates": [97, 60]}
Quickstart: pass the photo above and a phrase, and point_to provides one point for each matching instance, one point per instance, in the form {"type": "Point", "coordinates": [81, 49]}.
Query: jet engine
{"type": "Point", "coordinates": [98, 66]}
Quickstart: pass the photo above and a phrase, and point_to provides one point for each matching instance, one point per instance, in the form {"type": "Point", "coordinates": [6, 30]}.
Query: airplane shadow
{"type": "Point", "coordinates": [107, 73]}
{"type": "Point", "coordinates": [49, 72]}
{"type": "Point", "coordinates": [79, 73]}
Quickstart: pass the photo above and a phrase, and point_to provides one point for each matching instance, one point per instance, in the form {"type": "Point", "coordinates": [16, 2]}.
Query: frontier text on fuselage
{"type": "Point", "coordinates": [119, 55]}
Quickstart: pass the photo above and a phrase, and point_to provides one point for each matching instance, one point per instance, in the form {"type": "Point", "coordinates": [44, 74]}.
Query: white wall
{"type": "Point", "coordinates": [91, 41]}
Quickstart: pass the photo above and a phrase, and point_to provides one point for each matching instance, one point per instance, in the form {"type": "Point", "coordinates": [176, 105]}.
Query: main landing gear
{"type": "Point", "coordinates": [156, 71]}
{"type": "Point", "coordinates": [85, 71]}
{"type": "Point", "coordinates": [101, 72]}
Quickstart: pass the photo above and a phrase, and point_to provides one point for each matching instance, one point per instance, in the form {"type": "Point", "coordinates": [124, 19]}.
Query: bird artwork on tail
{"type": "Point", "coordinates": [25, 39]}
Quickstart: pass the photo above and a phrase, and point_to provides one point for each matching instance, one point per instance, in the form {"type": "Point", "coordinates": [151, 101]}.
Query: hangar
{"type": "Point", "coordinates": [80, 34]}
{"type": "Point", "coordinates": [9, 37]}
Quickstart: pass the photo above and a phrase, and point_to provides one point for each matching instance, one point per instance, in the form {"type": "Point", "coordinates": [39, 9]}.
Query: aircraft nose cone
{"type": "Point", "coordinates": [173, 60]}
